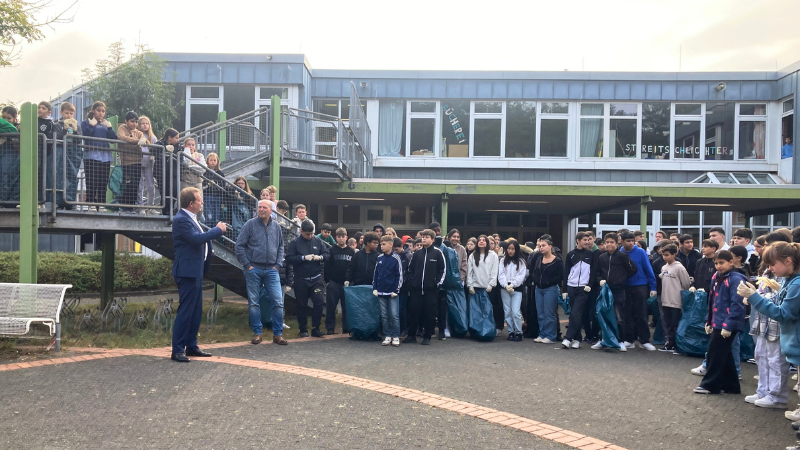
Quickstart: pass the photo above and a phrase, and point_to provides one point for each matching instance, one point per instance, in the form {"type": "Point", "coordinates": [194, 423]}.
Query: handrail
{"type": "Point", "coordinates": [188, 132]}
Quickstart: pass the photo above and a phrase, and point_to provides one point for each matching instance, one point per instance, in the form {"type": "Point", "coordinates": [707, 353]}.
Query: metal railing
{"type": "Point", "coordinates": [358, 121]}
{"type": "Point", "coordinates": [242, 136]}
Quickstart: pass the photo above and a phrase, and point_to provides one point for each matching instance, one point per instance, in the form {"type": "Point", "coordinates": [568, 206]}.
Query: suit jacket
{"type": "Point", "coordinates": [188, 242]}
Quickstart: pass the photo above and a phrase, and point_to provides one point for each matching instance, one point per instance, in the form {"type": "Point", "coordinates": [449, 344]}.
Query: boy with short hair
{"type": "Point", "coordinates": [386, 286]}
{"type": "Point", "coordinates": [335, 276]}
{"type": "Point", "coordinates": [718, 234]}
{"type": "Point", "coordinates": [325, 234]}
{"type": "Point", "coordinates": [674, 279]}
{"type": "Point", "coordinates": [301, 215]}
{"type": "Point", "coordinates": [744, 237]}
{"type": "Point", "coordinates": [614, 268]}
{"type": "Point", "coordinates": [405, 258]}
{"type": "Point", "coordinates": [636, 294]}
{"type": "Point", "coordinates": [362, 268]}
{"type": "Point", "coordinates": [352, 244]}
{"type": "Point", "coordinates": [66, 126]}
{"type": "Point", "coordinates": [579, 267]}
{"type": "Point", "coordinates": [704, 270]}
{"type": "Point", "coordinates": [427, 271]}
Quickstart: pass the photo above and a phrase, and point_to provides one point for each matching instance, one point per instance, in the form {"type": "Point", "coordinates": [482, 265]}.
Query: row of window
{"type": "Point", "coordinates": [530, 129]}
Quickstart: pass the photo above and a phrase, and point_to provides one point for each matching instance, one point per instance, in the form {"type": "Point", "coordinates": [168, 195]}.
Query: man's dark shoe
{"type": "Point", "coordinates": [441, 335]}
{"type": "Point", "coordinates": [410, 340]}
{"type": "Point", "coordinates": [316, 333]}
{"type": "Point", "coordinates": [198, 353]}
{"type": "Point", "coordinates": [303, 334]}
{"type": "Point", "coordinates": [347, 331]}
{"type": "Point", "coordinates": [426, 341]}
{"type": "Point", "coordinates": [404, 335]}
{"type": "Point", "coordinates": [179, 357]}
{"type": "Point", "coordinates": [796, 426]}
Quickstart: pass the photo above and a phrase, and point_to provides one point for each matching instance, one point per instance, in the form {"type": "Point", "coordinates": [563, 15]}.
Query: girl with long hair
{"type": "Point", "coordinates": [147, 189]}
{"type": "Point", "coordinates": [511, 275]}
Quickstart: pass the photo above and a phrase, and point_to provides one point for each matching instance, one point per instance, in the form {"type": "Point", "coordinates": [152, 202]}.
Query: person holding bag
{"type": "Point", "coordinates": [511, 275]}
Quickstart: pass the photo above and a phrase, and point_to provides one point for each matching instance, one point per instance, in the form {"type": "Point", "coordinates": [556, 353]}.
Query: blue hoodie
{"type": "Point", "coordinates": [787, 314]}
{"type": "Point", "coordinates": [645, 273]}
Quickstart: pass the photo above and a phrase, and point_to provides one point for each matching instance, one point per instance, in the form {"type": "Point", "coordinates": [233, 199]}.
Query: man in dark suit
{"type": "Point", "coordinates": [192, 259]}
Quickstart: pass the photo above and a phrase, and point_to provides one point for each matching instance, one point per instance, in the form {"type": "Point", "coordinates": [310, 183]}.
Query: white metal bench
{"type": "Point", "coordinates": [24, 304]}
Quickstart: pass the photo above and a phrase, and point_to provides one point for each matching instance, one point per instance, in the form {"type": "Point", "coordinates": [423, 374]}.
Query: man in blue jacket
{"type": "Point", "coordinates": [192, 260]}
{"type": "Point", "coordinates": [636, 294]}
{"type": "Point", "coordinates": [259, 248]}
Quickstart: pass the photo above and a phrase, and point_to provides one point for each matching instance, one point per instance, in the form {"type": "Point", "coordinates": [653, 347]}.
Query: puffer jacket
{"type": "Point", "coordinates": [512, 274]}
{"type": "Point", "coordinates": [726, 308]}
{"type": "Point", "coordinates": [787, 313]}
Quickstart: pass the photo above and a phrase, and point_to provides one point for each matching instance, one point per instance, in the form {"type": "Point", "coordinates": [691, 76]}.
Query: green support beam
{"type": "Point", "coordinates": [107, 268]}
{"type": "Point", "coordinates": [275, 159]}
{"type": "Point", "coordinates": [218, 293]}
{"type": "Point", "coordinates": [29, 195]}
{"type": "Point", "coordinates": [643, 214]}
{"type": "Point", "coordinates": [443, 220]}
{"type": "Point", "coordinates": [222, 137]}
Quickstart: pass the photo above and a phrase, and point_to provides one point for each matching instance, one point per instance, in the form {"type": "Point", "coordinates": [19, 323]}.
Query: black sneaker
{"type": "Point", "coordinates": [441, 335]}
{"type": "Point", "coordinates": [331, 331]}
{"type": "Point", "coordinates": [667, 348]}
{"type": "Point", "coordinates": [316, 333]}
{"type": "Point", "coordinates": [410, 340]}
{"type": "Point", "coordinates": [426, 341]}
{"type": "Point", "coordinates": [796, 426]}
{"type": "Point", "coordinates": [518, 337]}
{"type": "Point", "coordinates": [511, 337]}
{"type": "Point", "coordinates": [303, 334]}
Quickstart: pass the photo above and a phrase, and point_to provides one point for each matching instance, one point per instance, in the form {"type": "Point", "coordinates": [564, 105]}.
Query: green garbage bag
{"type": "Point", "coordinates": [481, 319]}
{"type": "Point", "coordinates": [457, 313]}
{"type": "Point", "coordinates": [658, 334]}
{"type": "Point", "coordinates": [691, 337]}
{"type": "Point", "coordinates": [607, 318]}
{"type": "Point", "coordinates": [363, 312]}
{"type": "Point", "coordinates": [565, 305]}
{"type": "Point", "coordinates": [452, 276]}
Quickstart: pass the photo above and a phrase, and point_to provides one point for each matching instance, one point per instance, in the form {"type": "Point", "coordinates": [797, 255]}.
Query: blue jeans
{"type": "Point", "coordinates": [511, 309]}
{"type": "Point", "coordinates": [390, 315]}
{"type": "Point", "coordinates": [547, 309]}
{"type": "Point", "coordinates": [269, 280]}
{"type": "Point", "coordinates": [736, 349]}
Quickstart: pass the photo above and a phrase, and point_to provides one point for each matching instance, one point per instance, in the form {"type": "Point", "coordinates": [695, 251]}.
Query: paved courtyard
{"type": "Point", "coordinates": [337, 393]}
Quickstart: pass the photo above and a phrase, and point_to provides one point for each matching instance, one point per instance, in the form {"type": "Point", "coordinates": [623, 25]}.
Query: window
{"type": "Point", "coordinates": [266, 93]}
{"type": "Point", "coordinates": [418, 215]}
{"type": "Point", "coordinates": [375, 215]}
{"type": "Point", "coordinates": [422, 124]}
{"type": "Point", "coordinates": [398, 216]}
{"type": "Point", "coordinates": [329, 214]}
{"type": "Point", "coordinates": [720, 125]}
{"type": "Point", "coordinates": [203, 104]}
{"type": "Point", "coordinates": [391, 129]}
{"type": "Point", "coordinates": [687, 125]}
{"type": "Point", "coordinates": [622, 129]}
{"type": "Point", "coordinates": [591, 130]}
{"type": "Point", "coordinates": [487, 128]}
{"type": "Point", "coordinates": [787, 129]}
{"type": "Point", "coordinates": [456, 128]}
{"type": "Point", "coordinates": [351, 214]}
{"type": "Point", "coordinates": [752, 121]}
{"type": "Point", "coordinates": [520, 129]}
{"type": "Point", "coordinates": [655, 130]}
{"type": "Point", "coordinates": [554, 130]}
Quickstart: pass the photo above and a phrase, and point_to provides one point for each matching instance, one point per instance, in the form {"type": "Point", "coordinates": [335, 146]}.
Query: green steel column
{"type": "Point", "coordinates": [29, 195]}
{"type": "Point", "coordinates": [218, 292]}
{"type": "Point", "coordinates": [107, 268]}
{"type": "Point", "coordinates": [443, 219]}
{"type": "Point", "coordinates": [275, 158]}
{"type": "Point", "coordinates": [222, 136]}
{"type": "Point", "coordinates": [643, 214]}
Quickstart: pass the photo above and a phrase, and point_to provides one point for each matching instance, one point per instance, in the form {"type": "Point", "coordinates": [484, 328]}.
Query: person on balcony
{"type": "Point", "coordinates": [97, 160]}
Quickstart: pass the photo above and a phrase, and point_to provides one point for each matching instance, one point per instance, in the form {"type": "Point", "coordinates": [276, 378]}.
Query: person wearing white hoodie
{"type": "Point", "coordinates": [482, 273]}
{"type": "Point", "coordinates": [511, 275]}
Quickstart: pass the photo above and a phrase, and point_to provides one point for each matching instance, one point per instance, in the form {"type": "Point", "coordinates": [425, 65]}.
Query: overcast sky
{"type": "Point", "coordinates": [613, 35]}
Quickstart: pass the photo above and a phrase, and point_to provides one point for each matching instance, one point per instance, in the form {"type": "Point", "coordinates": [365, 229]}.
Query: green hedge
{"type": "Point", "coordinates": [131, 272]}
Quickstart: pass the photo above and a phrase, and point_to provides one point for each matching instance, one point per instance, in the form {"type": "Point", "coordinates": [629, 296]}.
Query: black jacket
{"type": "Point", "coordinates": [427, 269]}
{"type": "Point", "coordinates": [298, 249]}
{"type": "Point", "coordinates": [362, 268]}
{"type": "Point", "coordinates": [336, 267]}
{"type": "Point", "coordinates": [579, 268]}
{"type": "Point", "coordinates": [615, 268]}
{"type": "Point", "coordinates": [405, 258]}
{"type": "Point", "coordinates": [546, 275]}
{"type": "Point", "coordinates": [703, 272]}
{"type": "Point", "coordinates": [689, 261]}
{"type": "Point", "coordinates": [657, 264]}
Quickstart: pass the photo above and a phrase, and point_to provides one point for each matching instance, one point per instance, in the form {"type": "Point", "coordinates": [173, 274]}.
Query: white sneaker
{"type": "Point", "coordinates": [538, 339]}
{"type": "Point", "coordinates": [649, 347]}
{"type": "Point", "coordinates": [387, 341]}
{"type": "Point", "coordinates": [545, 341]}
{"type": "Point", "coordinates": [766, 402]}
{"type": "Point", "coordinates": [794, 416]}
{"type": "Point", "coordinates": [576, 344]}
{"type": "Point", "coordinates": [699, 370]}
{"type": "Point", "coordinates": [499, 331]}
{"type": "Point", "coordinates": [447, 332]}
{"type": "Point", "coordinates": [395, 342]}
{"type": "Point", "coordinates": [622, 348]}
{"type": "Point", "coordinates": [794, 377]}
{"type": "Point", "coordinates": [751, 398]}
{"type": "Point", "coordinates": [286, 327]}
{"type": "Point", "coordinates": [101, 209]}
{"type": "Point", "coordinates": [565, 343]}
{"type": "Point", "coordinates": [597, 346]}
{"type": "Point", "coordinates": [627, 344]}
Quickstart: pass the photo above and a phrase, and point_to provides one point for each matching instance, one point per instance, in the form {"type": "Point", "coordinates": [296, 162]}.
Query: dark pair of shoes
{"type": "Point", "coordinates": [303, 334]}
{"type": "Point", "coordinates": [441, 335]}
{"type": "Point", "coordinates": [517, 337]}
{"type": "Point", "coordinates": [317, 333]}
{"type": "Point", "coordinates": [426, 341]}
{"type": "Point", "coordinates": [183, 357]}
{"type": "Point", "coordinates": [512, 337]}
{"type": "Point", "coordinates": [332, 331]}
{"type": "Point", "coordinates": [410, 340]}
{"type": "Point", "coordinates": [667, 348]}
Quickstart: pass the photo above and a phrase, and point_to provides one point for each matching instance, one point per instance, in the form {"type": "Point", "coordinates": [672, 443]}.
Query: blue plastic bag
{"type": "Point", "coordinates": [363, 312]}
{"type": "Point", "coordinates": [565, 304]}
{"type": "Point", "coordinates": [658, 334]}
{"type": "Point", "coordinates": [457, 313]}
{"type": "Point", "coordinates": [481, 319]}
{"type": "Point", "coordinates": [748, 346]}
{"type": "Point", "coordinates": [691, 337]}
{"type": "Point", "coordinates": [607, 318]}
{"type": "Point", "coordinates": [452, 276]}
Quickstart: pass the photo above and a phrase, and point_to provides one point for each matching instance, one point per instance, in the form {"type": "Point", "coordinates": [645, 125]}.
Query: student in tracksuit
{"type": "Point", "coordinates": [307, 253]}
{"type": "Point", "coordinates": [427, 271]}
{"type": "Point", "coordinates": [579, 267]}
{"type": "Point", "coordinates": [636, 294]}
{"type": "Point", "coordinates": [614, 268]}
{"type": "Point", "coordinates": [335, 276]}
{"type": "Point", "coordinates": [386, 286]}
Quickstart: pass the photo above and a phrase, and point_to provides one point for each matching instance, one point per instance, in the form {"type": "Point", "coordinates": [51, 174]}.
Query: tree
{"type": "Point", "coordinates": [133, 85]}
{"type": "Point", "coordinates": [18, 24]}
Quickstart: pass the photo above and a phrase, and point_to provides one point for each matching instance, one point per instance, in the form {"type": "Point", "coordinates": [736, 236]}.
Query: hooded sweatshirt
{"type": "Point", "coordinates": [644, 275]}
{"type": "Point", "coordinates": [513, 274]}
{"type": "Point", "coordinates": [336, 267]}
{"type": "Point", "coordinates": [674, 279]}
{"type": "Point", "coordinates": [362, 268]}
{"type": "Point", "coordinates": [484, 274]}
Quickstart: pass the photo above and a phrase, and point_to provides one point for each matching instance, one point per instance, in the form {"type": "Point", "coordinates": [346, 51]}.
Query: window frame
{"type": "Point", "coordinates": [751, 118]}
{"type": "Point", "coordinates": [473, 116]}
{"type": "Point", "coordinates": [436, 115]}
{"type": "Point", "coordinates": [638, 120]}
{"type": "Point", "coordinates": [190, 101]}
{"type": "Point", "coordinates": [553, 116]}
{"type": "Point", "coordinates": [701, 140]}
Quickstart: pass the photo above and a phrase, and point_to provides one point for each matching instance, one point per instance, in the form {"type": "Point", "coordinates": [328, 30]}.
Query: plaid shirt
{"type": "Point", "coordinates": [761, 325]}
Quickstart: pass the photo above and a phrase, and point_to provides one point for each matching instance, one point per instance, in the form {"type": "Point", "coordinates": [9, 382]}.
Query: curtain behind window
{"type": "Point", "coordinates": [591, 132]}
{"type": "Point", "coordinates": [390, 128]}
